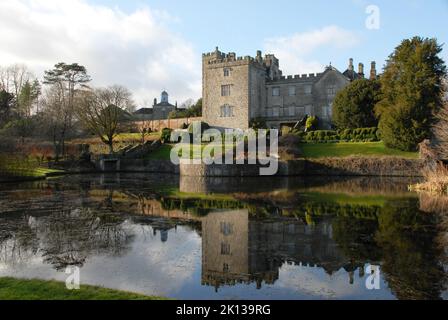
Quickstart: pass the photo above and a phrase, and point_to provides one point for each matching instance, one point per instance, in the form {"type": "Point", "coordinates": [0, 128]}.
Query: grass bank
{"type": "Point", "coordinates": [121, 141]}
{"type": "Point", "coordinates": [15, 289]}
{"type": "Point", "coordinates": [343, 150]}
{"type": "Point", "coordinates": [16, 168]}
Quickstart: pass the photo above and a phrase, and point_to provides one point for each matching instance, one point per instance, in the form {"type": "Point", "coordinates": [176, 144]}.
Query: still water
{"type": "Point", "coordinates": [228, 238]}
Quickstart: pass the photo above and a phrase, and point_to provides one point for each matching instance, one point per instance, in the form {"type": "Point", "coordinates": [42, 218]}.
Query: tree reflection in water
{"type": "Point", "coordinates": [406, 235]}
{"type": "Point", "coordinates": [67, 237]}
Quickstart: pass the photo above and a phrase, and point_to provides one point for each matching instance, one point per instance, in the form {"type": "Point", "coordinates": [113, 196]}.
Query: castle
{"type": "Point", "coordinates": [237, 90]}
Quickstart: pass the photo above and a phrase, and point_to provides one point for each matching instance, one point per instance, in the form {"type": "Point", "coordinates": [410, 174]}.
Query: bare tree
{"type": "Point", "coordinates": [102, 111]}
{"type": "Point", "coordinates": [54, 116]}
{"type": "Point", "coordinates": [67, 80]}
{"type": "Point", "coordinates": [19, 81]}
{"type": "Point", "coordinates": [144, 128]}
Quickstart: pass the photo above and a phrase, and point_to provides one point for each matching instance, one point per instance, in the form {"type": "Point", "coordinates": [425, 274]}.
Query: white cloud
{"type": "Point", "coordinates": [297, 52]}
{"type": "Point", "coordinates": [133, 49]}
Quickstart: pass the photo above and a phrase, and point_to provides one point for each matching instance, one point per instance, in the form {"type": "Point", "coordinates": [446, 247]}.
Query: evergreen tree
{"type": "Point", "coordinates": [354, 106]}
{"type": "Point", "coordinates": [6, 104]}
{"type": "Point", "coordinates": [411, 93]}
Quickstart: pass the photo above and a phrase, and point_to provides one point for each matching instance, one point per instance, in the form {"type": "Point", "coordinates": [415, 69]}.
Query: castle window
{"type": "Point", "coordinates": [226, 228]}
{"type": "Point", "coordinates": [327, 111]}
{"type": "Point", "coordinates": [276, 92]}
{"type": "Point", "coordinates": [226, 72]}
{"type": "Point", "coordinates": [309, 110]}
{"type": "Point", "coordinates": [225, 249]}
{"type": "Point", "coordinates": [276, 112]}
{"type": "Point", "coordinates": [225, 90]}
{"type": "Point", "coordinates": [292, 111]}
{"type": "Point", "coordinates": [292, 91]}
{"type": "Point", "coordinates": [331, 91]}
{"type": "Point", "coordinates": [308, 89]}
{"type": "Point", "coordinates": [226, 111]}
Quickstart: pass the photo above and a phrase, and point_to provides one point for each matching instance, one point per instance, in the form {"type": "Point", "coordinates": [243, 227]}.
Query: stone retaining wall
{"type": "Point", "coordinates": [385, 167]}
{"type": "Point", "coordinates": [158, 166]}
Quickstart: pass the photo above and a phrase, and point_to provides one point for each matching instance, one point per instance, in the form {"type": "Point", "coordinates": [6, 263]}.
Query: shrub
{"type": "Point", "coordinates": [258, 124]}
{"type": "Point", "coordinates": [312, 123]}
{"type": "Point", "coordinates": [166, 135]}
{"type": "Point", "coordinates": [348, 135]}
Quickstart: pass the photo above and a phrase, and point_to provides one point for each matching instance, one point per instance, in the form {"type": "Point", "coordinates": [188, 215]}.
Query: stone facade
{"type": "Point", "coordinates": [159, 111]}
{"type": "Point", "coordinates": [237, 90]}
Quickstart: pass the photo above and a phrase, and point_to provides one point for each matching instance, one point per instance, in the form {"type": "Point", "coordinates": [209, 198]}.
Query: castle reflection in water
{"type": "Point", "coordinates": [237, 248]}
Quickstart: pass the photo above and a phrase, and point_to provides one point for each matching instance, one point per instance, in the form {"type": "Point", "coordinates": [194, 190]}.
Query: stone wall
{"type": "Point", "coordinates": [287, 168]}
{"type": "Point", "coordinates": [383, 167]}
{"type": "Point", "coordinates": [251, 94]}
{"type": "Point", "coordinates": [157, 166]}
{"type": "Point", "coordinates": [238, 79]}
{"type": "Point", "coordinates": [386, 167]}
{"type": "Point", "coordinates": [158, 125]}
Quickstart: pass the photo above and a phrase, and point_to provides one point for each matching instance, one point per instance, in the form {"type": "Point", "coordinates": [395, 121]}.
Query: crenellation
{"type": "Point", "coordinates": [255, 87]}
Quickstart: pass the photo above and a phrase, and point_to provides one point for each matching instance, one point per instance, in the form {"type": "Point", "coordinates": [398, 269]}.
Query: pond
{"type": "Point", "coordinates": [220, 238]}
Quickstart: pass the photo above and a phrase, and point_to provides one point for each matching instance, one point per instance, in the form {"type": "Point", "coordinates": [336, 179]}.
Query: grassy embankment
{"type": "Point", "coordinates": [321, 150]}
{"type": "Point", "coordinates": [121, 141]}
{"type": "Point", "coordinates": [17, 168]}
{"type": "Point", "coordinates": [351, 149]}
{"type": "Point", "coordinates": [15, 289]}
{"type": "Point", "coordinates": [163, 153]}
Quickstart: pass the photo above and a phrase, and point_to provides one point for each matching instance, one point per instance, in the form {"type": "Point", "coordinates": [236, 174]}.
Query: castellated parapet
{"type": "Point", "coordinates": [239, 89]}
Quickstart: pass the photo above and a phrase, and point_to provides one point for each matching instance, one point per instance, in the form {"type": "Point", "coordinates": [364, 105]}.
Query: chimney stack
{"type": "Point", "coordinates": [155, 101]}
{"type": "Point", "coordinates": [350, 65]}
{"type": "Point", "coordinates": [373, 72]}
{"type": "Point", "coordinates": [361, 70]}
{"type": "Point", "coordinates": [259, 56]}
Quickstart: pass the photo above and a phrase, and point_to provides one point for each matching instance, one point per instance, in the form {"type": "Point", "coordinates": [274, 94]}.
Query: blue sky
{"type": "Point", "coordinates": [242, 26]}
{"type": "Point", "coordinates": [152, 45]}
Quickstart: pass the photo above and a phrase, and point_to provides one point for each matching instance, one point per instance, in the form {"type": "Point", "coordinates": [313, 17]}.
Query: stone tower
{"type": "Point", "coordinates": [233, 88]}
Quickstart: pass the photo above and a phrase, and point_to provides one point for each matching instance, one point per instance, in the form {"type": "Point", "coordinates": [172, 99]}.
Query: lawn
{"type": "Point", "coordinates": [26, 168]}
{"type": "Point", "coordinates": [121, 141]}
{"type": "Point", "coordinates": [164, 152]}
{"type": "Point", "coordinates": [15, 289]}
{"type": "Point", "coordinates": [341, 150]}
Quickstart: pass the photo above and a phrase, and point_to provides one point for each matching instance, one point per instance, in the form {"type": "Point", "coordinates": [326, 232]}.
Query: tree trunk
{"type": "Point", "coordinates": [111, 147]}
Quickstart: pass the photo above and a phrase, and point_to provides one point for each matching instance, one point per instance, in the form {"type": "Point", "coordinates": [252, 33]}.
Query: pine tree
{"type": "Point", "coordinates": [354, 106]}
{"type": "Point", "coordinates": [411, 93]}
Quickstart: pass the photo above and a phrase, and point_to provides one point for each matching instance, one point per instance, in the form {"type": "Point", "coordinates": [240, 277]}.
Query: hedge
{"type": "Point", "coordinates": [347, 135]}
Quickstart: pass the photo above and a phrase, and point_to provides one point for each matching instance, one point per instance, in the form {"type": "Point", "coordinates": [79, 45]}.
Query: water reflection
{"type": "Point", "coordinates": [283, 239]}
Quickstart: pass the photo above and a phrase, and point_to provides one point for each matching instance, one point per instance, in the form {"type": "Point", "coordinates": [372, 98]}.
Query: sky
{"type": "Point", "coordinates": [154, 45]}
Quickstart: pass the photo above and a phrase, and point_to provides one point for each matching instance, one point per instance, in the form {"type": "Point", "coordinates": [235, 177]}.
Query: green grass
{"type": "Point", "coordinates": [26, 168]}
{"type": "Point", "coordinates": [15, 289]}
{"type": "Point", "coordinates": [341, 150]}
{"type": "Point", "coordinates": [164, 152]}
{"type": "Point", "coordinates": [121, 141]}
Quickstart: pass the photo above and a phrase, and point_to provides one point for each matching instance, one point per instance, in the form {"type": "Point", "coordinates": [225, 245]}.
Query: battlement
{"type": "Point", "coordinates": [303, 77]}
{"type": "Point", "coordinates": [218, 57]}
